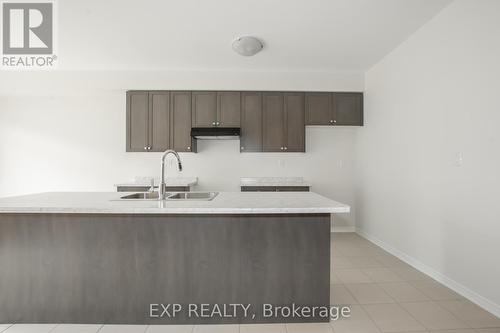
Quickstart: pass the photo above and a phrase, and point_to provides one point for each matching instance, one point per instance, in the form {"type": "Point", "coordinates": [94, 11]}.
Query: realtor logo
{"type": "Point", "coordinates": [28, 34]}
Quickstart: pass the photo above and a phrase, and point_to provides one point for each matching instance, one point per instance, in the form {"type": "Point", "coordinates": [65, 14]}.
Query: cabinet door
{"type": "Point", "coordinates": [180, 121]}
{"type": "Point", "coordinates": [251, 122]}
{"type": "Point", "coordinates": [159, 120]}
{"type": "Point", "coordinates": [273, 121]}
{"type": "Point", "coordinates": [348, 108]}
{"type": "Point", "coordinates": [319, 109]}
{"type": "Point", "coordinates": [204, 110]}
{"type": "Point", "coordinates": [228, 109]}
{"type": "Point", "coordinates": [137, 121]}
{"type": "Point", "coordinates": [294, 122]}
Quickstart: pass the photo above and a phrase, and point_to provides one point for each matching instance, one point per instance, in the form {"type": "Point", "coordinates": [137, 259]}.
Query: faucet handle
{"type": "Point", "coordinates": [152, 184]}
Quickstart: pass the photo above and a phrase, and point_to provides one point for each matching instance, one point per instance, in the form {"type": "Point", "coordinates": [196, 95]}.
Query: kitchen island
{"type": "Point", "coordinates": [93, 258]}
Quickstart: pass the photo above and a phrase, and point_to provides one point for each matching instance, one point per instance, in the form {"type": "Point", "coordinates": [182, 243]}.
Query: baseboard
{"type": "Point", "coordinates": [343, 229]}
{"type": "Point", "coordinates": [472, 296]}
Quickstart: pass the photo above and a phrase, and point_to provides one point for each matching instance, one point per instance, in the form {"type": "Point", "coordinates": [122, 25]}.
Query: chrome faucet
{"type": "Point", "coordinates": [162, 189]}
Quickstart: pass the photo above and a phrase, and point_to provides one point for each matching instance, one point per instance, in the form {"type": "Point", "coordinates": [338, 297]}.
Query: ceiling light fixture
{"type": "Point", "coordinates": [247, 46]}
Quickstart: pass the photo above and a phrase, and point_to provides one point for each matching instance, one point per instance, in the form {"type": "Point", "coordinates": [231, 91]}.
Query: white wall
{"type": "Point", "coordinates": [430, 100]}
{"type": "Point", "coordinates": [65, 131]}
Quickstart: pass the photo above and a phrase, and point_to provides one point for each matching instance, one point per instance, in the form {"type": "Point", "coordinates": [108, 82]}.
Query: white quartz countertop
{"type": "Point", "coordinates": [170, 181]}
{"type": "Point", "coordinates": [224, 203]}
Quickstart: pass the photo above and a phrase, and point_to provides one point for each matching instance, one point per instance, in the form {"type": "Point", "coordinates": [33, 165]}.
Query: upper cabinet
{"type": "Point", "coordinates": [283, 126]}
{"type": "Point", "coordinates": [251, 122]}
{"type": "Point", "coordinates": [137, 121]}
{"type": "Point", "coordinates": [269, 121]}
{"type": "Point", "coordinates": [210, 109]}
{"type": "Point", "coordinates": [340, 109]}
{"type": "Point", "coordinates": [348, 109]}
{"type": "Point", "coordinates": [294, 122]}
{"type": "Point", "coordinates": [159, 120]}
{"type": "Point", "coordinates": [228, 108]}
{"type": "Point", "coordinates": [180, 122]}
{"type": "Point", "coordinates": [148, 124]}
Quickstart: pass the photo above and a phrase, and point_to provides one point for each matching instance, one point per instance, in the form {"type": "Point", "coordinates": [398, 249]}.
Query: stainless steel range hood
{"type": "Point", "coordinates": [215, 133]}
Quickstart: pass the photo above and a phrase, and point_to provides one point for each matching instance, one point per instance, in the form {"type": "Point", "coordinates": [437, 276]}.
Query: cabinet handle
{"type": "Point", "coordinates": [331, 121]}
{"type": "Point", "coordinates": [281, 148]}
{"type": "Point", "coordinates": [218, 124]}
{"type": "Point", "coordinates": [286, 148]}
{"type": "Point", "coordinates": [149, 147]}
{"type": "Point", "coordinates": [213, 124]}
{"type": "Point", "coordinates": [189, 148]}
{"type": "Point", "coordinates": [334, 121]}
{"type": "Point", "coordinates": [146, 148]}
{"type": "Point", "coordinates": [242, 148]}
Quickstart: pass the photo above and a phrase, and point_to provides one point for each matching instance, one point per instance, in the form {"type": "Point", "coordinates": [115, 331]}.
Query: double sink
{"type": "Point", "coordinates": [178, 196]}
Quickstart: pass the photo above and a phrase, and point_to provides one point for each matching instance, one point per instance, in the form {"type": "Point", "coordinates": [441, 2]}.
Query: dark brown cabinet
{"type": "Point", "coordinates": [294, 124]}
{"type": "Point", "coordinates": [204, 111]}
{"type": "Point", "coordinates": [340, 109]}
{"type": "Point", "coordinates": [159, 120]}
{"type": "Point", "coordinates": [228, 109]}
{"type": "Point", "coordinates": [148, 124]}
{"type": "Point", "coordinates": [221, 109]}
{"type": "Point", "coordinates": [180, 120]}
{"type": "Point", "coordinates": [251, 122]}
{"type": "Point", "coordinates": [319, 108]}
{"type": "Point", "coordinates": [274, 188]}
{"type": "Point", "coordinates": [269, 121]}
{"type": "Point", "coordinates": [348, 109]}
{"type": "Point", "coordinates": [283, 127]}
{"type": "Point", "coordinates": [137, 121]}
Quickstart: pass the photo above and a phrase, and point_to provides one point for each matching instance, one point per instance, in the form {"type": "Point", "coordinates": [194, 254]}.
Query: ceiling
{"type": "Point", "coordinates": [299, 35]}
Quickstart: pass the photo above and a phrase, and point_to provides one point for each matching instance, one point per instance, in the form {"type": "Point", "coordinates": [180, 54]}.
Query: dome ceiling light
{"type": "Point", "coordinates": [247, 45]}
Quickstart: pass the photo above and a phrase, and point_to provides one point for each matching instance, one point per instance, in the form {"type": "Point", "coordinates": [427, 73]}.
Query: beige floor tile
{"type": "Point", "coordinates": [436, 291]}
{"type": "Point", "coordinates": [471, 314]}
{"type": "Point", "coordinates": [31, 328]}
{"type": "Point", "coordinates": [70, 328]}
{"type": "Point", "coordinates": [392, 318]}
{"type": "Point", "coordinates": [382, 275]}
{"type": "Point", "coordinates": [465, 330]}
{"type": "Point", "coordinates": [353, 326]}
{"type": "Point", "coordinates": [341, 263]}
{"type": "Point", "coordinates": [433, 316]}
{"type": "Point", "coordinates": [263, 328]}
{"type": "Point", "coordinates": [365, 262]}
{"type": "Point", "coordinates": [309, 328]}
{"type": "Point", "coordinates": [339, 295]}
{"type": "Point", "coordinates": [3, 327]}
{"type": "Point", "coordinates": [403, 292]}
{"type": "Point", "coordinates": [123, 329]}
{"type": "Point", "coordinates": [169, 329]}
{"type": "Point", "coordinates": [356, 314]}
{"type": "Point", "coordinates": [410, 274]}
{"type": "Point", "coordinates": [369, 293]}
{"type": "Point", "coordinates": [352, 276]}
{"type": "Point", "coordinates": [391, 261]}
{"type": "Point", "coordinates": [351, 250]}
{"type": "Point", "coordinates": [215, 329]}
{"type": "Point", "coordinates": [334, 279]}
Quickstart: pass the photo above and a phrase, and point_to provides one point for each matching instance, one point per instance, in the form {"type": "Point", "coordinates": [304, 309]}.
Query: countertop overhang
{"type": "Point", "coordinates": [224, 203]}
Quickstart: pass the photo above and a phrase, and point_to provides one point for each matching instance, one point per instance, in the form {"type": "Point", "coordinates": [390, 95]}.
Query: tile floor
{"type": "Point", "coordinates": [384, 293]}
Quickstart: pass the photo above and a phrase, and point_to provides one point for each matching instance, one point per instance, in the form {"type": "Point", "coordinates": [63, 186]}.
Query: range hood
{"type": "Point", "coordinates": [215, 133]}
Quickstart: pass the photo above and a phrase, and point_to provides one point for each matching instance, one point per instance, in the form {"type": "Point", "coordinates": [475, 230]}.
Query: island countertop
{"type": "Point", "coordinates": [223, 203]}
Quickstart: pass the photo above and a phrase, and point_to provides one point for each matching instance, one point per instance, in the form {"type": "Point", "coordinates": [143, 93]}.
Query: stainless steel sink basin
{"type": "Point", "coordinates": [142, 196]}
{"type": "Point", "coordinates": [178, 196]}
{"type": "Point", "coordinates": [193, 196]}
